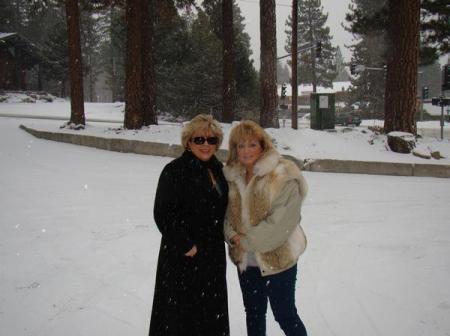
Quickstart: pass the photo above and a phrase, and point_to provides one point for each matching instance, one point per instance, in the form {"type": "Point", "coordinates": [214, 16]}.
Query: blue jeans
{"type": "Point", "coordinates": [279, 289]}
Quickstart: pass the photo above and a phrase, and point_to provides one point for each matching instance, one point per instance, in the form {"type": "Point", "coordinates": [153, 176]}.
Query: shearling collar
{"type": "Point", "coordinates": [265, 164]}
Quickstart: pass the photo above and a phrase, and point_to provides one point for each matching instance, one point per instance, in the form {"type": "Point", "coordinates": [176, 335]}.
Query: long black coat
{"type": "Point", "coordinates": [190, 295]}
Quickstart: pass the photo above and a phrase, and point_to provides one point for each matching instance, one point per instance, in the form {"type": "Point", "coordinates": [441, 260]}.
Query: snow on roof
{"type": "Point", "coordinates": [28, 46]}
{"type": "Point", "coordinates": [305, 89]}
{"type": "Point", "coordinates": [5, 35]}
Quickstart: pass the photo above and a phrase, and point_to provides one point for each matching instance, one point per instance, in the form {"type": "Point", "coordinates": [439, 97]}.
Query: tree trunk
{"type": "Point", "coordinates": [228, 78]}
{"type": "Point", "coordinates": [91, 79]}
{"type": "Point", "coordinates": [75, 64]}
{"type": "Point", "coordinates": [134, 116]}
{"type": "Point", "coordinates": [294, 86]}
{"type": "Point", "coordinates": [112, 60]}
{"type": "Point", "coordinates": [62, 91]}
{"type": "Point", "coordinates": [268, 81]}
{"type": "Point", "coordinates": [148, 72]}
{"type": "Point", "coordinates": [113, 80]}
{"type": "Point", "coordinates": [401, 80]}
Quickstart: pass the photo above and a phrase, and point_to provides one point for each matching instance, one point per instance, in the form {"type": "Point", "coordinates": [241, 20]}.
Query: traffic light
{"type": "Point", "coordinates": [353, 68]}
{"type": "Point", "coordinates": [283, 90]}
{"type": "Point", "coordinates": [446, 78]}
{"type": "Point", "coordinates": [425, 92]}
{"type": "Point", "coordinates": [319, 49]}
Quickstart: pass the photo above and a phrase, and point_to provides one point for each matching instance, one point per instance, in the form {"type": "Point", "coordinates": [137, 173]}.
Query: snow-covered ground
{"type": "Point", "coordinates": [78, 245]}
{"type": "Point", "coordinates": [346, 143]}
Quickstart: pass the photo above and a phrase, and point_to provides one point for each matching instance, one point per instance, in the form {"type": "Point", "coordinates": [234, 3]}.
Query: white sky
{"type": "Point", "coordinates": [335, 8]}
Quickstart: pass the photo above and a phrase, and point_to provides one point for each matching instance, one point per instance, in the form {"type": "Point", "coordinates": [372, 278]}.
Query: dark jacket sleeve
{"type": "Point", "coordinates": [167, 210]}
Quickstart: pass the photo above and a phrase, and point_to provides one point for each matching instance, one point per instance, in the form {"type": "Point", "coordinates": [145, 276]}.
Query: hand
{"type": "Point", "coordinates": [192, 252]}
{"type": "Point", "coordinates": [236, 240]}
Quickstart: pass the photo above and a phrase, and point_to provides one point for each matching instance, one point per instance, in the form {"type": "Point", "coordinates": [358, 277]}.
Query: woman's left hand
{"type": "Point", "coordinates": [192, 252]}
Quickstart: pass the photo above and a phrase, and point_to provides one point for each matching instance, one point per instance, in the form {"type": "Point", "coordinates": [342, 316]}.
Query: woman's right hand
{"type": "Point", "coordinates": [192, 252]}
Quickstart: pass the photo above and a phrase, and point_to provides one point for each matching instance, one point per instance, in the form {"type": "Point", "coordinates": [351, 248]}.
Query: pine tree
{"type": "Point", "coordinates": [171, 46]}
{"type": "Point", "coordinates": [112, 50]}
{"type": "Point", "coordinates": [75, 64]}
{"type": "Point", "coordinates": [312, 68]}
{"type": "Point", "coordinates": [91, 44]}
{"type": "Point", "coordinates": [435, 27]}
{"type": "Point", "coordinates": [368, 87]}
{"type": "Point", "coordinates": [203, 71]}
{"type": "Point", "coordinates": [55, 48]}
{"type": "Point", "coordinates": [189, 65]}
{"type": "Point", "coordinates": [246, 88]}
{"type": "Point", "coordinates": [174, 58]}
{"type": "Point", "coordinates": [402, 63]}
{"type": "Point", "coordinates": [227, 61]}
{"type": "Point", "coordinates": [367, 15]}
{"type": "Point", "coordinates": [134, 118]}
{"type": "Point", "coordinates": [140, 59]}
{"type": "Point", "coordinates": [367, 23]}
{"type": "Point", "coordinates": [245, 74]}
{"type": "Point", "coordinates": [378, 47]}
{"type": "Point", "coordinates": [342, 74]}
{"type": "Point", "coordinates": [369, 20]}
{"type": "Point", "coordinates": [13, 16]}
{"type": "Point", "coordinates": [148, 66]}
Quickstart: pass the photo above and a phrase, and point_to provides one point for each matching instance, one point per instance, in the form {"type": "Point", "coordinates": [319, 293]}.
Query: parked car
{"type": "Point", "coordinates": [347, 118]}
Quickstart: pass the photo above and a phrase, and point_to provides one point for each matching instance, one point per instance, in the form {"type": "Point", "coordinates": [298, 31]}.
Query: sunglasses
{"type": "Point", "coordinates": [201, 140]}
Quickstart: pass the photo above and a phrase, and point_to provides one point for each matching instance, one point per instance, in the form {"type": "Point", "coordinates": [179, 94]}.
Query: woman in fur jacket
{"type": "Point", "coordinates": [262, 227]}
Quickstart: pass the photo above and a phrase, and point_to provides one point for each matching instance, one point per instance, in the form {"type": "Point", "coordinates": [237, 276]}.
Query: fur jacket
{"type": "Point", "coordinates": [266, 213]}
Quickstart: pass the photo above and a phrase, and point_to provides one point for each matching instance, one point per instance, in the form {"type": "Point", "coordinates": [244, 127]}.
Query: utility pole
{"type": "Point", "coordinates": [294, 86]}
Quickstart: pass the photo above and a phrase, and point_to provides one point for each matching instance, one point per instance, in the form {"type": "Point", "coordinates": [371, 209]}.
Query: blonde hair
{"type": "Point", "coordinates": [247, 130]}
{"type": "Point", "coordinates": [201, 123]}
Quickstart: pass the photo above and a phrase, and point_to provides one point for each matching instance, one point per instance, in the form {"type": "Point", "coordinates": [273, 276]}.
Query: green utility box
{"type": "Point", "coordinates": [322, 110]}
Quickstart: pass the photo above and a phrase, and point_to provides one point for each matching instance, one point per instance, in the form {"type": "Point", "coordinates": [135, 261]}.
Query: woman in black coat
{"type": "Point", "coordinates": [190, 296]}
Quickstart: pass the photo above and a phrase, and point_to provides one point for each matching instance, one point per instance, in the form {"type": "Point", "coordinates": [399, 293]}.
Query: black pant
{"type": "Point", "coordinates": [279, 289]}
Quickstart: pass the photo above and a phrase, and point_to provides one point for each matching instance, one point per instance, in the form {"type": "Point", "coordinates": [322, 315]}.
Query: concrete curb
{"type": "Point", "coordinates": [378, 168]}
{"type": "Point", "coordinates": [360, 167]}
{"type": "Point", "coordinates": [317, 165]}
